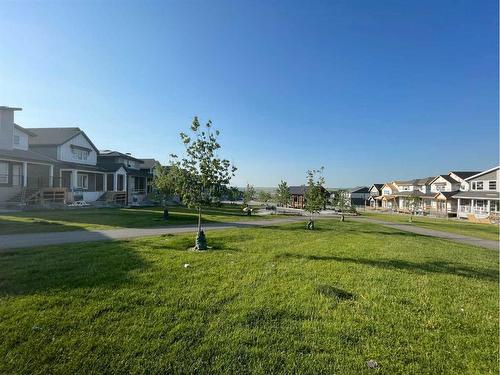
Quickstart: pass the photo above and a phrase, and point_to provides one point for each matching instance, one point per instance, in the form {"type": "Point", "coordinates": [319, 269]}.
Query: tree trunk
{"type": "Point", "coordinates": [199, 219]}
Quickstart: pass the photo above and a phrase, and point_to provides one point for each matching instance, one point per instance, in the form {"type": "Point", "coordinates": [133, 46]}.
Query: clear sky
{"type": "Point", "coordinates": [372, 90]}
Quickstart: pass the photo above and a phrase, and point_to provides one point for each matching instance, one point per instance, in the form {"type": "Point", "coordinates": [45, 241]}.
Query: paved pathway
{"type": "Point", "coordinates": [12, 241]}
{"type": "Point", "coordinates": [490, 244]}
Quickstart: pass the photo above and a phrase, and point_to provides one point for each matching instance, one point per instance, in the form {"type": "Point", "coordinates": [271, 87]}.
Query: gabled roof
{"type": "Point", "coordinates": [359, 189]}
{"type": "Point", "coordinates": [377, 186]}
{"type": "Point", "coordinates": [416, 181]}
{"type": "Point", "coordinates": [464, 175]}
{"type": "Point", "coordinates": [297, 190]}
{"type": "Point", "coordinates": [55, 136]}
{"type": "Point", "coordinates": [448, 178]}
{"type": "Point", "coordinates": [390, 185]}
{"type": "Point", "coordinates": [148, 163]}
{"type": "Point", "coordinates": [24, 130]}
{"type": "Point", "coordinates": [448, 194]}
{"type": "Point", "coordinates": [481, 173]}
{"type": "Point", "coordinates": [111, 153]}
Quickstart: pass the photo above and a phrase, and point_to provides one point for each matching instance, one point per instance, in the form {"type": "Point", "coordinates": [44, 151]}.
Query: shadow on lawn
{"type": "Point", "coordinates": [79, 266]}
{"type": "Point", "coordinates": [427, 267]}
{"type": "Point", "coordinates": [35, 225]}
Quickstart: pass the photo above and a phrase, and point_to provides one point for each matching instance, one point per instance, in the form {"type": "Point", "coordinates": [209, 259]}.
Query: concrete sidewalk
{"type": "Point", "coordinates": [489, 244]}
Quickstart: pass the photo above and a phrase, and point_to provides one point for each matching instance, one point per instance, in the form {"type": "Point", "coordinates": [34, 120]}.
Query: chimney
{"type": "Point", "coordinates": [7, 127]}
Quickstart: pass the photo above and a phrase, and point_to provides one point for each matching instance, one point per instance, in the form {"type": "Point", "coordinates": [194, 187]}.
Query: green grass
{"type": "Point", "coordinates": [111, 218]}
{"type": "Point", "coordinates": [264, 301]}
{"type": "Point", "coordinates": [484, 231]}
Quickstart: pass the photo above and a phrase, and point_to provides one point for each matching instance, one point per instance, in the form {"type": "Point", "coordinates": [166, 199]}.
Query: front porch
{"type": "Point", "coordinates": [24, 182]}
{"type": "Point", "coordinates": [477, 209]}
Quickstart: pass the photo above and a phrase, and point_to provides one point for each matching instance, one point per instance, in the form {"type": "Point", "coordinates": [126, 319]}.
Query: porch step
{"type": "Point", "coordinates": [26, 195]}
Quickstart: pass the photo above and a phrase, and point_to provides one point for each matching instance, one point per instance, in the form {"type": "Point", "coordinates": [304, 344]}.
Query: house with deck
{"type": "Point", "coordinates": [481, 200]}
{"type": "Point", "coordinates": [132, 177]}
{"type": "Point", "coordinates": [24, 174]}
{"type": "Point", "coordinates": [76, 167]}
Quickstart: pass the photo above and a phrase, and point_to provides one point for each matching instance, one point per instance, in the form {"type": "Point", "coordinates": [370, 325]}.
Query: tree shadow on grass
{"type": "Point", "coordinates": [55, 269]}
{"type": "Point", "coordinates": [439, 267]}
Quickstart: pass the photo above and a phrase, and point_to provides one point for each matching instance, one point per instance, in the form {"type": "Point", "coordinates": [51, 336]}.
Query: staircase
{"type": "Point", "coordinates": [114, 197]}
{"type": "Point", "coordinates": [26, 196]}
{"type": "Point", "coordinates": [33, 195]}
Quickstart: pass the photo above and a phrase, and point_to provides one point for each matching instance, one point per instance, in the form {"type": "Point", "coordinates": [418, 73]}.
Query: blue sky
{"type": "Point", "coordinates": [372, 90]}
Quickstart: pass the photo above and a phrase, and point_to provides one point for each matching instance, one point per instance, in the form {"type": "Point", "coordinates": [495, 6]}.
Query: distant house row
{"type": "Point", "coordinates": [63, 165]}
{"type": "Point", "coordinates": [465, 194]}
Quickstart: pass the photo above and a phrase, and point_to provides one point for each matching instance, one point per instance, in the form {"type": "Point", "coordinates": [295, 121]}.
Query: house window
{"type": "Point", "coordinates": [79, 154]}
{"type": "Point", "coordinates": [16, 140]}
{"type": "Point", "coordinates": [4, 172]}
{"type": "Point", "coordinates": [82, 181]}
{"type": "Point", "coordinates": [492, 185]}
{"type": "Point", "coordinates": [479, 185]}
{"type": "Point", "coordinates": [387, 192]}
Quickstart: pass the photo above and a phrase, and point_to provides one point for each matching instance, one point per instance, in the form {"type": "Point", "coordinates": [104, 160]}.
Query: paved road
{"type": "Point", "coordinates": [12, 241]}
{"type": "Point", "coordinates": [490, 244]}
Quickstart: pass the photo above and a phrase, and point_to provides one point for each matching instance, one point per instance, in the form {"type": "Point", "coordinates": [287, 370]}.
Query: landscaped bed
{"type": "Point", "coordinates": [485, 231]}
{"type": "Point", "coordinates": [270, 300]}
{"type": "Point", "coordinates": [112, 218]}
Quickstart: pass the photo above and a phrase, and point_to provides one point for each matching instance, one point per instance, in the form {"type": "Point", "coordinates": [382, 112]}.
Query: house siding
{"type": "Point", "coordinates": [65, 152]}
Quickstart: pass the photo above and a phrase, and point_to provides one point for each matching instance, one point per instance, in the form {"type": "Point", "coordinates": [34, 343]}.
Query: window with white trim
{"type": "Point", "coordinates": [4, 172]}
{"type": "Point", "coordinates": [82, 181]}
{"type": "Point", "coordinates": [492, 185]}
{"type": "Point", "coordinates": [79, 154]}
{"type": "Point", "coordinates": [16, 140]}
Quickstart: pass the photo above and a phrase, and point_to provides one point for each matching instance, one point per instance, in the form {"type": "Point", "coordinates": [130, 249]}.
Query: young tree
{"type": "Point", "coordinates": [248, 194]}
{"type": "Point", "coordinates": [315, 198]}
{"type": "Point", "coordinates": [201, 176]}
{"type": "Point", "coordinates": [412, 203]}
{"type": "Point", "coordinates": [264, 196]}
{"type": "Point", "coordinates": [283, 195]}
{"type": "Point", "coordinates": [342, 203]}
{"type": "Point", "coordinates": [164, 182]}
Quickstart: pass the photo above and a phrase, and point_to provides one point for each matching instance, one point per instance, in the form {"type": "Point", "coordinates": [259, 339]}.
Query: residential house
{"type": "Point", "coordinates": [149, 167]}
{"type": "Point", "coordinates": [131, 178]}
{"type": "Point", "coordinates": [388, 198]}
{"type": "Point", "coordinates": [358, 196]}
{"type": "Point", "coordinates": [298, 195]}
{"type": "Point", "coordinates": [396, 195]}
{"type": "Point", "coordinates": [461, 177]}
{"type": "Point", "coordinates": [481, 200]}
{"type": "Point", "coordinates": [375, 191]}
{"type": "Point", "coordinates": [75, 167]}
{"type": "Point", "coordinates": [23, 172]}
{"type": "Point", "coordinates": [443, 187]}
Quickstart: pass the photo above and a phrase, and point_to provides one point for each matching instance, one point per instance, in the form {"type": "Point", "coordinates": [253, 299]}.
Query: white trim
{"type": "Point", "coordinates": [83, 186]}
{"type": "Point", "coordinates": [25, 161]}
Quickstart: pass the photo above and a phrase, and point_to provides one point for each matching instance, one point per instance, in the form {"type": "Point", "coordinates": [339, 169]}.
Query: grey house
{"type": "Point", "coordinates": [133, 178]}
{"type": "Point", "coordinates": [23, 172]}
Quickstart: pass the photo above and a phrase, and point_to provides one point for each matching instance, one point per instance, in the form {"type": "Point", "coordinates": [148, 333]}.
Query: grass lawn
{"type": "Point", "coordinates": [263, 300]}
{"type": "Point", "coordinates": [110, 218]}
{"type": "Point", "coordinates": [485, 231]}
